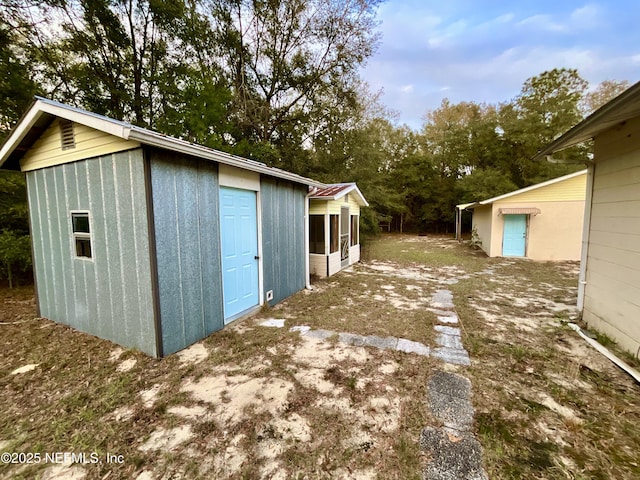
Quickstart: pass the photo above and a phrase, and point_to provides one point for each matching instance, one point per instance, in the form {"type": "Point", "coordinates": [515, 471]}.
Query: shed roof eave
{"type": "Point", "coordinates": [18, 133]}
{"type": "Point", "coordinates": [154, 139]}
{"type": "Point", "coordinates": [42, 107]}
{"type": "Point", "coordinates": [463, 206]}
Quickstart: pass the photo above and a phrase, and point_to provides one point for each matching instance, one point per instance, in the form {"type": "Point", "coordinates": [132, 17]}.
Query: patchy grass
{"type": "Point", "coordinates": [267, 403]}
{"type": "Point", "coordinates": [548, 406]}
{"type": "Point", "coordinates": [364, 302]}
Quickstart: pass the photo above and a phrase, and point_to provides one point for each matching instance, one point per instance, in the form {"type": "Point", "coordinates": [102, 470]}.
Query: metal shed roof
{"type": "Point", "coordinates": [43, 111]}
{"type": "Point", "coordinates": [339, 190]}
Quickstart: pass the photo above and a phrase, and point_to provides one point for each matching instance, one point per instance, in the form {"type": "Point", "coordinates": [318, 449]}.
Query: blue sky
{"type": "Point", "coordinates": [483, 50]}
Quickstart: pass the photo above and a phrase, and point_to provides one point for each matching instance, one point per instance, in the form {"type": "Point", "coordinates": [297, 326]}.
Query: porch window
{"type": "Point", "coordinates": [316, 234]}
{"type": "Point", "coordinates": [334, 233]}
{"type": "Point", "coordinates": [354, 230]}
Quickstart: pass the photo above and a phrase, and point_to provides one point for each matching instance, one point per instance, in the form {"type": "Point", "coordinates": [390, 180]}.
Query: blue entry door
{"type": "Point", "coordinates": [515, 235]}
{"type": "Point", "coordinates": [239, 234]}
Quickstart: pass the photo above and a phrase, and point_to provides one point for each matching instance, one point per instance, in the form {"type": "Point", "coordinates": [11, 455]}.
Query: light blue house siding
{"type": "Point", "coordinates": [187, 240]}
{"type": "Point", "coordinates": [283, 237]}
{"type": "Point", "coordinates": [110, 294]}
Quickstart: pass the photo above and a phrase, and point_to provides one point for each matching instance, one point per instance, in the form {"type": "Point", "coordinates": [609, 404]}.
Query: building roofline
{"type": "Point", "coordinates": [352, 188]}
{"type": "Point", "coordinates": [42, 107]}
{"type": "Point", "coordinates": [489, 201]}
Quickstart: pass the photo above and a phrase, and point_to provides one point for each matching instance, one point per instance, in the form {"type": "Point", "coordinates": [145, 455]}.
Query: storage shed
{"type": "Point", "coordinates": [609, 283]}
{"type": "Point", "coordinates": [541, 222]}
{"type": "Point", "coordinates": [150, 241]}
{"type": "Point", "coordinates": [334, 228]}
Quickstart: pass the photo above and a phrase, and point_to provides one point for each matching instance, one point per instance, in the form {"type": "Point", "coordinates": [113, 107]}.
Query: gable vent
{"type": "Point", "coordinates": [66, 134]}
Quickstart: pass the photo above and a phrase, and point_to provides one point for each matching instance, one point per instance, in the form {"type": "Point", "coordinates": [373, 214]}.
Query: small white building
{"type": "Point", "coordinates": [334, 228]}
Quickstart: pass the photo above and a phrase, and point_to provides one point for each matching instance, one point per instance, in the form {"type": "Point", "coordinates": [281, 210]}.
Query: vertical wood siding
{"type": "Point", "coordinates": [282, 237]}
{"type": "Point", "coordinates": [108, 295]}
{"type": "Point", "coordinates": [186, 210]}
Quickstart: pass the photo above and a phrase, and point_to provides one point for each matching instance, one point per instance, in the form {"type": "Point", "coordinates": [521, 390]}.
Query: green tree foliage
{"type": "Point", "coordinates": [456, 139]}
{"type": "Point", "coordinates": [15, 247]}
{"type": "Point", "coordinates": [277, 81]}
{"type": "Point", "coordinates": [144, 61]}
{"type": "Point", "coordinates": [604, 92]}
{"type": "Point", "coordinates": [15, 254]}
{"type": "Point", "coordinates": [16, 85]}
{"type": "Point", "coordinates": [361, 144]}
{"type": "Point", "coordinates": [548, 106]}
{"type": "Point", "coordinates": [288, 63]}
{"type": "Point", "coordinates": [483, 183]}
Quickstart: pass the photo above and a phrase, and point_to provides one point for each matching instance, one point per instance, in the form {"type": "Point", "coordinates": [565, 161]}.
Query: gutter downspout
{"type": "Point", "coordinates": [307, 273]}
{"type": "Point", "coordinates": [586, 228]}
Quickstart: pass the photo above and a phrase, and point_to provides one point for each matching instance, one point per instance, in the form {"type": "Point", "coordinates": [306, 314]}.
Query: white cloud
{"type": "Point", "coordinates": [475, 52]}
{"type": "Point", "coordinates": [586, 17]}
{"type": "Point", "coordinates": [541, 22]}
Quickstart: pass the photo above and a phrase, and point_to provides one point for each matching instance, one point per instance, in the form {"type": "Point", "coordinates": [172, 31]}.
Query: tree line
{"type": "Point", "coordinates": [276, 81]}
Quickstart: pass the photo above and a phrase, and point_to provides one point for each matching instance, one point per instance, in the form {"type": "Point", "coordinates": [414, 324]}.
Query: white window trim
{"type": "Point", "coordinates": [75, 235]}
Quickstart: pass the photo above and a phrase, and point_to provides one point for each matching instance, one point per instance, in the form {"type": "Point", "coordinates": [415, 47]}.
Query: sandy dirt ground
{"type": "Point", "coordinates": [256, 401]}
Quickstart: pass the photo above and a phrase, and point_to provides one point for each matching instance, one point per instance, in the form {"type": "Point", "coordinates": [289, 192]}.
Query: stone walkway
{"type": "Point", "coordinates": [454, 452]}
{"type": "Point", "coordinates": [448, 339]}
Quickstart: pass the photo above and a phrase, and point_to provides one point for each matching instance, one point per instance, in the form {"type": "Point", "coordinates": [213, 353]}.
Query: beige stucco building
{"type": "Point", "coordinates": [541, 222]}
{"type": "Point", "coordinates": [609, 285]}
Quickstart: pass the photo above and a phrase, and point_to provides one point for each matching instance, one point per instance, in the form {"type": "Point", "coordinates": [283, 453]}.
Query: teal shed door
{"type": "Point", "coordinates": [239, 233]}
{"type": "Point", "coordinates": [514, 236]}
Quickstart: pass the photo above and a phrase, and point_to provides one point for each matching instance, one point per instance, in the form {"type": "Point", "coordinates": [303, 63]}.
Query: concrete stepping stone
{"type": "Point", "coordinates": [379, 342]}
{"type": "Point", "coordinates": [352, 339]}
{"type": "Point", "coordinates": [454, 452]}
{"type": "Point", "coordinates": [453, 356]}
{"type": "Point", "coordinates": [448, 396]}
{"type": "Point", "coordinates": [452, 458]}
{"type": "Point", "coordinates": [451, 318]}
{"type": "Point", "coordinates": [410, 346]}
{"type": "Point", "coordinates": [442, 299]}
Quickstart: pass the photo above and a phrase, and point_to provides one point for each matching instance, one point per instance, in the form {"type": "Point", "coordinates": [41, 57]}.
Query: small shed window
{"type": "Point", "coordinates": [334, 237]}
{"type": "Point", "coordinates": [354, 230]}
{"type": "Point", "coordinates": [81, 234]}
{"type": "Point", "coordinates": [316, 234]}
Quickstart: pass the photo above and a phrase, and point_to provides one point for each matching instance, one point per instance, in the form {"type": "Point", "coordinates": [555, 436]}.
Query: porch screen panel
{"type": "Point", "coordinates": [354, 230]}
{"type": "Point", "coordinates": [316, 234]}
{"type": "Point", "coordinates": [334, 233]}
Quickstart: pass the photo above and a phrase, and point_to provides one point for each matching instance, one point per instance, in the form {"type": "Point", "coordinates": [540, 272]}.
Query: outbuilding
{"type": "Point", "coordinates": [150, 241]}
{"type": "Point", "coordinates": [334, 228]}
{"type": "Point", "coordinates": [609, 283]}
{"type": "Point", "coordinates": [540, 222]}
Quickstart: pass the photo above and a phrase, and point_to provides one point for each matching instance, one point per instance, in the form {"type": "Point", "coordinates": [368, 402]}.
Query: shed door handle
{"type": "Point", "coordinates": [256, 257]}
